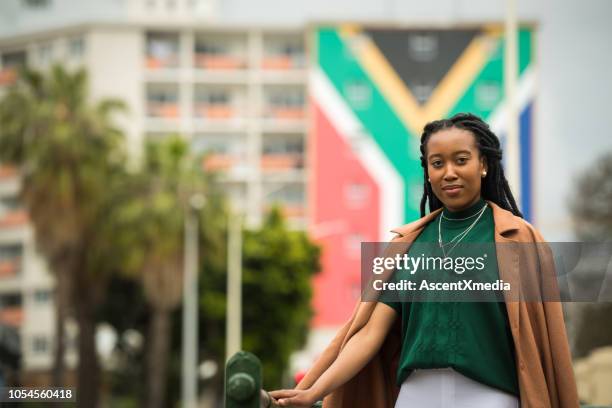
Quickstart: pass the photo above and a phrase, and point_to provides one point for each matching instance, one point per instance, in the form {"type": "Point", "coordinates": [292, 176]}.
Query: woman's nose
{"type": "Point", "coordinates": [449, 173]}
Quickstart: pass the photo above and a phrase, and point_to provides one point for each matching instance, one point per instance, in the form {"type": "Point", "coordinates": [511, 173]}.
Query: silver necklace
{"type": "Point", "coordinates": [458, 219]}
{"type": "Point", "coordinates": [460, 236]}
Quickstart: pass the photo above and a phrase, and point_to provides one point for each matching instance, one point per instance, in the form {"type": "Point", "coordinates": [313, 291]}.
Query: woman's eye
{"type": "Point", "coordinates": [436, 163]}
{"type": "Point", "coordinates": [462, 159]}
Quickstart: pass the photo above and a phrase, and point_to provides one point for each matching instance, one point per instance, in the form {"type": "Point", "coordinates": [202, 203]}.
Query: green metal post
{"type": "Point", "coordinates": [243, 381]}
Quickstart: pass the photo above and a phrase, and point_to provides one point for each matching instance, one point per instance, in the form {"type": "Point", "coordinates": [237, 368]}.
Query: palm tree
{"type": "Point", "coordinates": [149, 227]}
{"type": "Point", "coordinates": [66, 149]}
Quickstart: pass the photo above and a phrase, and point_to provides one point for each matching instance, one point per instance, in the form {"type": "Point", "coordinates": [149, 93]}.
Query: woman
{"type": "Point", "coordinates": [451, 354]}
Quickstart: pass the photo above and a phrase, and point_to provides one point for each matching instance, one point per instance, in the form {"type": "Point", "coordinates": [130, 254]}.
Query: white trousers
{"type": "Point", "coordinates": [446, 388]}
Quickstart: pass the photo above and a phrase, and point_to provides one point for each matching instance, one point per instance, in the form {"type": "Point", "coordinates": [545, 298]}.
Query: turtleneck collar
{"type": "Point", "coordinates": [466, 212]}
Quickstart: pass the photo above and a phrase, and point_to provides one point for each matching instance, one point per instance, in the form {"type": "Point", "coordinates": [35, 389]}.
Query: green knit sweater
{"type": "Point", "coordinates": [473, 338]}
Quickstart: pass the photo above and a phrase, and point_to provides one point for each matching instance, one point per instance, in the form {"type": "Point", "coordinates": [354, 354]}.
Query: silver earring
{"type": "Point", "coordinates": [429, 180]}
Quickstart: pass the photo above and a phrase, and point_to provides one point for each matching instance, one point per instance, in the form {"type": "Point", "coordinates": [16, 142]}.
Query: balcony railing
{"type": "Point", "coordinates": [289, 210]}
{"type": "Point", "coordinates": [215, 111]}
{"type": "Point", "coordinates": [219, 161]}
{"type": "Point", "coordinates": [216, 61]}
{"type": "Point", "coordinates": [8, 76]}
{"type": "Point", "coordinates": [14, 218]}
{"type": "Point", "coordinates": [282, 161]}
{"type": "Point", "coordinates": [7, 172]}
{"type": "Point", "coordinates": [279, 62]}
{"type": "Point", "coordinates": [11, 316]}
{"type": "Point", "coordinates": [9, 267]}
{"type": "Point", "coordinates": [286, 112]}
{"type": "Point", "coordinates": [169, 110]}
{"type": "Point", "coordinates": [162, 63]}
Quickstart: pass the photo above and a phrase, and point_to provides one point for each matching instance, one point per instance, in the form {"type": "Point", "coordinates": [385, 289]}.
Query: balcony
{"type": "Point", "coordinates": [9, 267]}
{"type": "Point", "coordinates": [215, 111]}
{"type": "Point", "coordinates": [289, 211]}
{"type": "Point", "coordinates": [218, 62]}
{"type": "Point", "coordinates": [294, 210]}
{"type": "Point", "coordinates": [158, 63]}
{"type": "Point", "coordinates": [11, 316]}
{"type": "Point", "coordinates": [15, 218]}
{"type": "Point", "coordinates": [8, 76]}
{"type": "Point", "coordinates": [284, 103]}
{"type": "Point", "coordinates": [288, 196]}
{"type": "Point", "coordinates": [282, 161]}
{"type": "Point", "coordinates": [285, 112]}
{"type": "Point", "coordinates": [278, 62]}
{"type": "Point", "coordinates": [165, 110]}
{"type": "Point", "coordinates": [283, 52]}
{"type": "Point", "coordinates": [7, 172]}
{"type": "Point", "coordinates": [162, 51]}
{"type": "Point", "coordinates": [220, 162]}
{"type": "Point", "coordinates": [220, 52]}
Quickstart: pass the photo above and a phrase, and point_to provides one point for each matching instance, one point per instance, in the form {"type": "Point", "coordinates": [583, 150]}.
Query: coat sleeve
{"type": "Point", "coordinates": [557, 359]}
{"type": "Point", "coordinates": [327, 357]}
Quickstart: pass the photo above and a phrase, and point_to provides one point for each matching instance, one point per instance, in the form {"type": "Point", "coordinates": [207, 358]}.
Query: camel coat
{"type": "Point", "coordinates": [543, 360]}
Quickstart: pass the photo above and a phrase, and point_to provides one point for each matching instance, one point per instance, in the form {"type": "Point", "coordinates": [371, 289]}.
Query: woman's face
{"type": "Point", "coordinates": [455, 167]}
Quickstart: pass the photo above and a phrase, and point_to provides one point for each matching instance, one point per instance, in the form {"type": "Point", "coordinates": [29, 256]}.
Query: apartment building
{"type": "Point", "coordinates": [237, 94]}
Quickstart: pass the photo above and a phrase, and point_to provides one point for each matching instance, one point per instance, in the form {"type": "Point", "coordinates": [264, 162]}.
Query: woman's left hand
{"type": "Point", "coordinates": [293, 398]}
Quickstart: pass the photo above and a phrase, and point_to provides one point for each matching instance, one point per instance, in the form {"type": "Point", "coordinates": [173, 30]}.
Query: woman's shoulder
{"type": "Point", "coordinates": [506, 223]}
{"type": "Point", "coordinates": [515, 227]}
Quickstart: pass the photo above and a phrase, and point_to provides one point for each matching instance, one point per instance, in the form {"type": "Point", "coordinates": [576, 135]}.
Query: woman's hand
{"type": "Point", "coordinates": [294, 398]}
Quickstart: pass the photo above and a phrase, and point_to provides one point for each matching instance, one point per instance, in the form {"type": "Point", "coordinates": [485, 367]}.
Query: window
{"type": "Point", "coordinates": [352, 245]}
{"type": "Point", "coordinates": [35, 3]}
{"type": "Point", "coordinates": [291, 98]}
{"type": "Point", "coordinates": [10, 300]}
{"type": "Point", "coordinates": [9, 203]}
{"type": "Point", "coordinates": [423, 47]}
{"type": "Point", "coordinates": [282, 145]}
{"type": "Point", "coordinates": [42, 296]}
{"type": "Point", "coordinates": [161, 95]}
{"type": "Point", "coordinates": [11, 251]}
{"type": "Point", "coordinates": [215, 97]}
{"type": "Point", "coordinates": [358, 93]}
{"type": "Point", "coordinates": [14, 59]}
{"type": "Point", "coordinates": [162, 50]}
{"type": "Point", "coordinates": [40, 344]}
{"type": "Point", "coordinates": [287, 195]}
{"type": "Point", "coordinates": [45, 53]}
{"type": "Point", "coordinates": [76, 47]}
{"type": "Point", "coordinates": [422, 91]}
{"type": "Point", "coordinates": [356, 195]}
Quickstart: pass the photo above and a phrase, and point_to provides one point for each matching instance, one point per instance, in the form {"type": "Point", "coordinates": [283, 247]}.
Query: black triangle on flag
{"type": "Point", "coordinates": [421, 58]}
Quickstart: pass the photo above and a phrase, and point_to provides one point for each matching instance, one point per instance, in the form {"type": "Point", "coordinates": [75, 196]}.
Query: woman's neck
{"type": "Point", "coordinates": [466, 211]}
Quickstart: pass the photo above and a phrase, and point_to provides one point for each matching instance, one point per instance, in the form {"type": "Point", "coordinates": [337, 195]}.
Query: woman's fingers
{"type": "Point", "coordinates": [286, 398]}
{"type": "Point", "coordinates": [282, 393]}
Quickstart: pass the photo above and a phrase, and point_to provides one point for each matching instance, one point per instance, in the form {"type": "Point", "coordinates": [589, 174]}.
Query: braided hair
{"type": "Point", "coordinates": [494, 186]}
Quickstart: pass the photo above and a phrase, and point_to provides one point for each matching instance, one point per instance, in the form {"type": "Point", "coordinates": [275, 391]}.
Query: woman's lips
{"type": "Point", "coordinates": [453, 191]}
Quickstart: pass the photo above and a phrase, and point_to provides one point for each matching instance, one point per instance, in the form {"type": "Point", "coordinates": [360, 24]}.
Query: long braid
{"type": "Point", "coordinates": [495, 186]}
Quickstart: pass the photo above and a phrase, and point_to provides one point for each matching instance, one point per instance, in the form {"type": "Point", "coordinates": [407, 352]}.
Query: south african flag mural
{"type": "Point", "coordinates": [372, 90]}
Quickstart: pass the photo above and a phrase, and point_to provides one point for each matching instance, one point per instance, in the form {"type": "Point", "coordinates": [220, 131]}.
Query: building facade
{"type": "Point", "coordinates": [236, 94]}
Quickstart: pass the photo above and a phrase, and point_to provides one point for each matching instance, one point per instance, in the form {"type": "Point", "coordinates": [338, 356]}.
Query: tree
{"type": "Point", "coordinates": [68, 151]}
{"type": "Point", "coordinates": [147, 230]}
{"type": "Point", "coordinates": [278, 266]}
{"type": "Point", "coordinates": [591, 209]}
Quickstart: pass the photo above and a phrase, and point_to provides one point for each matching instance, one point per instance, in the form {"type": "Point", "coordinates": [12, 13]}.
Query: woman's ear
{"type": "Point", "coordinates": [485, 166]}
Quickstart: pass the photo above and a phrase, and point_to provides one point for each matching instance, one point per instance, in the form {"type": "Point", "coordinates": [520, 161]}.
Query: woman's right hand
{"type": "Point", "coordinates": [294, 398]}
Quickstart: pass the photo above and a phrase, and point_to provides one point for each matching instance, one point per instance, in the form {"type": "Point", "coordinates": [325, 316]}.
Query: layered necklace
{"type": "Point", "coordinates": [461, 235]}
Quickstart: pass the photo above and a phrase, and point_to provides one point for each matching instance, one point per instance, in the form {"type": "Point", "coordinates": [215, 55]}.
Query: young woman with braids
{"type": "Point", "coordinates": [450, 354]}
